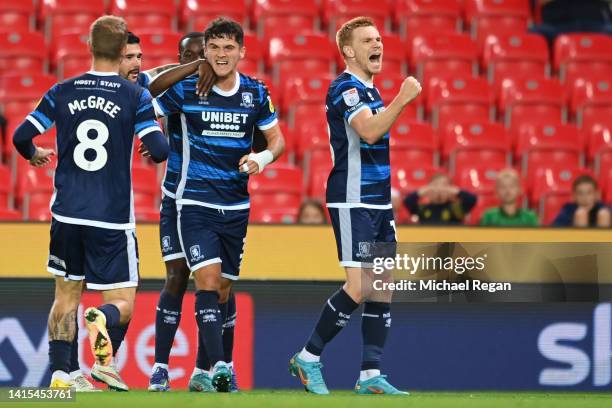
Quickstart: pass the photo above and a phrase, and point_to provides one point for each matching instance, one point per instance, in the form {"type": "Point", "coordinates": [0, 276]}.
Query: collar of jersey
{"type": "Point", "coordinates": [100, 73]}
{"type": "Point", "coordinates": [232, 91]}
{"type": "Point", "coordinates": [366, 83]}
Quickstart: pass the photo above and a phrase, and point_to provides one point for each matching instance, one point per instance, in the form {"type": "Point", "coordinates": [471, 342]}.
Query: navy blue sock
{"type": "Point", "coordinates": [202, 361]}
{"type": "Point", "coordinates": [208, 317]}
{"type": "Point", "coordinates": [334, 316]}
{"type": "Point", "coordinates": [117, 334]}
{"type": "Point", "coordinates": [59, 355]}
{"type": "Point", "coordinates": [375, 324]}
{"type": "Point", "coordinates": [228, 329]}
{"type": "Point", "coordinates": [112, 314]}
{"type": "Point", "coordinates": [167, 319]}
{"type": "Point", "coordinates": [74, 347]}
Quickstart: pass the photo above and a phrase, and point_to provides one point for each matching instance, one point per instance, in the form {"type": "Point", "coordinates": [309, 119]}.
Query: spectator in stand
{"type": "Point", "coordinates": [566, 16]}
{"type": "Point", "coordinates": [311, 212]}
{"type": "Point", "coordinates": [586, 210]}
{"type": "Point", "coordinates": [440, 202]}
{"type": "Point", "coordinates": [508, 214]}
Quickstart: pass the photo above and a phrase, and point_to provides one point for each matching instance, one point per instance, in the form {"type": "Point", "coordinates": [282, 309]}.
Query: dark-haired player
{"type": "Point", "coordinates": [92, 231]}
{"type": "Point", "coordinates": [211, 195]}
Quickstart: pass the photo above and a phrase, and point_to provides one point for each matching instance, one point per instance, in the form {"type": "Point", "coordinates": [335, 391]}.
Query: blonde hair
{"type": "Point", "coordinates": [345, 33]}
{"type": "Point", "coordinates": [108, 37]}
{"type": "Point", "coordinates": [508, 174]}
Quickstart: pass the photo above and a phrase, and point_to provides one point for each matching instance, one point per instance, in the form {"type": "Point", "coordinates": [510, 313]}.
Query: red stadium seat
{"type": "Point", "coordinates": [307, 89]}
{"type": "Point", "coordinates": [413, 142]}
{"type": "Point", "coordinates": [395, 56]}
{"type": "Point", "coordinates": [144, 214]}
{"type": "Point", "coordinates": [543, 145]}
{"type": "Point", "coordinates": [158, 47]}
{"type": "Point", "coordinates": [22, 52]}
{"type": "Point", "coordinates": [337, 12]}
{"type": "Point", "coordinates": [291, 55]}
{"type": "Point", "coordinates": [70, 55]}
{"type": "Point", "coordinates": [575, 52]}
{"type": "Point", "coordinates": [285, 17]}
{"type": "Point", "coordinates": [61, 16]}
{"type": "Point", "coordinates": [253, 62]}
{"type": "Point", "coordinates": [444, 52]}
{"type": "Point", "coordinates": [599, 142]}
{"type": "Point", "coordinates": [479, 178]}
{"type": "Point", "coordinates": [278, 190]}
{"type": "Point", "coordinates": [389, 85]}
{"type": "Point", "coordinates": [550, 205]}
{"type": "Point", "coordinates": [463, 99]}
{"type": "Point", "coordinates": [408, 177]}
{"type": "Point", "coordinates": [18, 92]}
{"type": "Point", "coordinates": [605, 184]}
{"type": "Point", "coordinates": [422, 16]}
{"type": "Point", "coordinates": [475, 142]}
{"type": "Point", "coordinates": [318, 167]}
{"type": "Point", "coordinates": [515, 55]}
{"type": "Point", "coordinates": [6, 187]}
{"type": "Point", "coordinates": [592, 98]}
{"type": "Point", "coordinates": [146, 14]}
{"type": "Point", "coordinates": [17, 15]}
{"type": "Point", "coordinates": [145, 186]}
{"type": "Point", "coordinates": [262, 212]}
{"type": "Point", "coordinates": [278, 178]}
{"type": "Point", "coordinates": [196, 14]}
{"type": "Point", "coordinates": [8, 214]}
{"type": "Point", "coordinates": [486, 16]}
{"type": "Point", "coordinates": [532, 100]}
{"type": "Point", "coordinates": [34, 190]}
{"type": "Point", "coordinates": [310, 127]}
{"type": "Point", "coordinates": [486, 200]}
{"type": "Point", "coordinates": [551, 180]}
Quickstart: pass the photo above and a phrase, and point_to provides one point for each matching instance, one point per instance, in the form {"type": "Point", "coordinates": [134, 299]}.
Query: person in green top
{"type": "Point", "coordinates": [508, 214]}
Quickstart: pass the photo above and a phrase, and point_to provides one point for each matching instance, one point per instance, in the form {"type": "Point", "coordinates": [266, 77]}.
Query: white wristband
{"type": "Point", "coordinates": [262, 159]}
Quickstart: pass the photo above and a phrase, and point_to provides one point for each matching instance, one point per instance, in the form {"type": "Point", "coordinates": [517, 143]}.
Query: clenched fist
{"type": "Point", "coordinates": [206, 78]}
{"type": "Point", "coordinates": [410, 89]}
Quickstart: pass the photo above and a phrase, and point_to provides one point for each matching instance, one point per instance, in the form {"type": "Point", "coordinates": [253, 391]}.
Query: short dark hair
{"type": "Point", "coordinates": [584, 179]}
{"type": "Point", "coordinates": [132, 38]}
{"type": "Point", "coordinates": [224, 28]}
{"type": "Point", "coordinates": [193, 34]}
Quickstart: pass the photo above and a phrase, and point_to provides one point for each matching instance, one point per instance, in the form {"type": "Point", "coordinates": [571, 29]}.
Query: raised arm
{"type": "Point", "coordinates": [171, 76]}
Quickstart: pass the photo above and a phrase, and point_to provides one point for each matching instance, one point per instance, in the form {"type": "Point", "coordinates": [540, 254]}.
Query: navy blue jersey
{"type": "Point", "coordinates": [216, 132]}
{"type": "Point", "coordinates": [96, 115]}
{"type": "Point", "coordinates": [361, 176]}
{"type": "Point", "coordinates": [173, 129]}
{"type": "Point", "coordinates": [143, 80]}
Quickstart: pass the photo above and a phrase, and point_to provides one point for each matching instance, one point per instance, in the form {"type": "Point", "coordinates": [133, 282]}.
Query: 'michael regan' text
{"type": "Point", "coordinates": [443, 285]}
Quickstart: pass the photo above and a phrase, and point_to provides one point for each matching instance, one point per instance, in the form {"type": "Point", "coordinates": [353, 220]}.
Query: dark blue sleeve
{"type": "Point", "coordinates": [468, 201]}
{"type": "Point", "coordinates": [157, 145]}
{"type": "Point", "coordinates": [22, 139]}
{"type": "Point", "coordinates": [37, 122]}
{"type": "Point", "coordinates": [565, 218]}
{"type": "Point", "coordinates": [412, 202]}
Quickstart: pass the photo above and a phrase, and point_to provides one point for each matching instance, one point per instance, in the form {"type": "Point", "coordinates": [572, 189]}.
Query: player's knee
{"type": "Point", "coordinates": [176, 281]}
{"type": "Point", "coordinates": [353, 289]}
{"type": "Point", "coordinates": [207, 281]}
{"type": "Point", "coordinates": [224, 293]}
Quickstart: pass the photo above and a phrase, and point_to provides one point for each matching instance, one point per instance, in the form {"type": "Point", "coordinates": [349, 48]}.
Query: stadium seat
{"type": "Point", "coordinates": [278, 190]}
{"type": "Point", "coordinates": [413, 142]}
{"type": "Point", "coordinates": [486, 16]}
{"type": "Point", "coordinates": [158, 48]}
{"type": "Point", "coordinates": [605, 184]}
{"type": "Point", "coordinates": [306, 89]}
{"type": "Point", "coordinates": [575, 52]}
{"type": "Point", "coordinates": [532, 100]}
{"type": "Point", "coordinates": [6, 187]}
{"type": "Point", "coordinates": [408, 177]}
{"type": "Point", "coordinates": [421, 16]}
{"type": "Point", "coordinates": [337, 12]}
{"type": "Point", "coordinates": [292, 55]}
{"type": "Point", "coordinates": [554, 178]}
{"type": "Point", "coordinates": [18, 93]}
{"type": "Point", "coordinates": [144, 214]}
{"type": "Point", "coordinates": [70, 55]}
{"type": "Point", "coordinates": [253, 62]}
{"type": "Point", "coordinates": [262, 213]}
{"type": "Point", "coordinates": [395, 58]}
{"type": "Point", "coordinates": [145, 186]}
{"type": "Point", "coordinates": [464, 99]}
{"type": "Point", "coordinates": [17, 15]}
{"type": "Point", "coordinates": [599, 142]}
{"type": "Point", "coordinates": [317, 170]}
{"type": "Point", "coordinates": [285, 17]}
{"type": "Point", "coordinates": [591, 98]}
{"type": "Point", "coordinates": [475, 142]}
{"type": "Point", "coordinates": [143, 15]}
{"type": "Point", "coordinates": [486, 200]}
{"type": "Point", "coordinates": [8, 214]}
{"type": "Point", "coordinates": [444, 52]}
{"type": "Point", "coordinates": [550, 205]}
{"type": "Point", "coordinates": [196, 14]}
{"type": "Point", "coordinates": [22, 52]}
{"type": "Point", "coordinates": [310, 130]}
{"type": "Point", "coordinates": [75, 16]}
{"type": "Point", "coordinates": [389, 85]}
{"type": "Point", "coordinates": [34, 190]}
{"type": "Point", "coordinates": [515, 55]}
{"type": "Point", "coordinates": [479, 178]}
{"type": "Point", "coordinates": [543, 145]}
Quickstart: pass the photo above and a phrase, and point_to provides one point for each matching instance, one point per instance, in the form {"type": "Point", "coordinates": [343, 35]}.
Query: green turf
{"type": "Point", "coordinates": [338, 399]}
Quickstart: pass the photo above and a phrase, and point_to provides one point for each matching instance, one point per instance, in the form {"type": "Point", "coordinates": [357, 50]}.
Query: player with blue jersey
{"type": "Point", "coordinates": [211, 196]}
{"type": "Point", "coordinates": [359, 201]}
{"type": "Point", "coordinates": [92, 230]}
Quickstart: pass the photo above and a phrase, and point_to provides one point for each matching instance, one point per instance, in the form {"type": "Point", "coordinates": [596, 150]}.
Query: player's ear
{"type": "Point", "coordinates": [348, 51]}
{"type": "Point", "coordinates": [242, 52]}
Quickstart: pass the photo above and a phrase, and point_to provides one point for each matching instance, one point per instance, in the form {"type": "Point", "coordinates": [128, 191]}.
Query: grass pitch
{"type": "Point", "coordinates": [338, 399]}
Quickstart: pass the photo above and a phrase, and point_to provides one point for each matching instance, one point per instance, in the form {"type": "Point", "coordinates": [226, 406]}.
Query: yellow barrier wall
{"type": "Point", "coordinates": [272, 252]}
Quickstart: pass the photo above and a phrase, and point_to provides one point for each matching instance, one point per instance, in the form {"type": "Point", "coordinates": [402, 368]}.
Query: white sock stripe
{"type": "Point", "coordinates": [330, 305]}
{"type": "Point", "coordinates": [369, 315]}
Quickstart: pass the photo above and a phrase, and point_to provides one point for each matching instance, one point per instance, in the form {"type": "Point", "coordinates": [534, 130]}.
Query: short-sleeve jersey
{"type": "Point", "coordinates": [143, 80]}
{"type": "Point", "coordinates": [361, 174]}
{"type": "Point", "coordinates": [215, 132]}
{"type": "Point", "coordinates": [96, 116]}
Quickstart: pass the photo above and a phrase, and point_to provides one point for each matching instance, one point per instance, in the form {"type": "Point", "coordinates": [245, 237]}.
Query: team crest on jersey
{"type": "Point", "coordinates": [196, 255]}
{"type": "Point", "coordinates": [351, 97]}
{"type": "Point", "coordinates": [247, 100]}
{"type": "Point", "coordinates": [166, 244]}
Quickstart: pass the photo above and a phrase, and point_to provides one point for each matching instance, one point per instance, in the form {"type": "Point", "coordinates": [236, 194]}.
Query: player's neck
{"type": "Point", "coordinates": [227, 83]}
{"type": "Point", "coordinates": [361, 74]}
{"type": "Point", "coordinates": [103, 65]}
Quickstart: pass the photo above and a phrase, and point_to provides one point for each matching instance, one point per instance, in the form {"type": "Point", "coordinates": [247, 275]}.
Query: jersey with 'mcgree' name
{"type": "Point", "coordinates": [217, 133]}
{"type": "Point", "coordinates": [96, 116]}
{"type": "Point", "coordinates": [361, 176]}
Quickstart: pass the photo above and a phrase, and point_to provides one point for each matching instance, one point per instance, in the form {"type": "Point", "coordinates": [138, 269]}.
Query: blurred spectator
{"type": "Point", "coordinates": [440, 202]}
{"type": "Point", "coordinates": [311, 212]}
{"type": "Point", "coordinates": [586, 210]}
{"type": "Point", "coordinates": [565, 16]}
{"type": "Point", "coordinates": [508, 214]}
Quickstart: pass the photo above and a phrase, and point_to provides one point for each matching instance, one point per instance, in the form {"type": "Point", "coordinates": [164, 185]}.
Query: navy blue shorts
{"type": "Point", "coordinates": [105, 258]}
{"type": "Point", "coordinates": [168, 231]}
{"type": "Point", "coordinates": [356, 228]}
{"type": "Point", "coordinates": [213, 236]}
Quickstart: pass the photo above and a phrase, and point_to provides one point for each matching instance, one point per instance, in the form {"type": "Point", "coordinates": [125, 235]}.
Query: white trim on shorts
{"type": "Point", "coordinates": [109, 286]}
{"type": "Point", "coordinates": [57, 272]}
{"type": "Point", "coordinates": [204, 263]}
{"type": "Point", "coordinates": [230, 277]}
{"type": "Point", "coordinates": [172, 257]}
